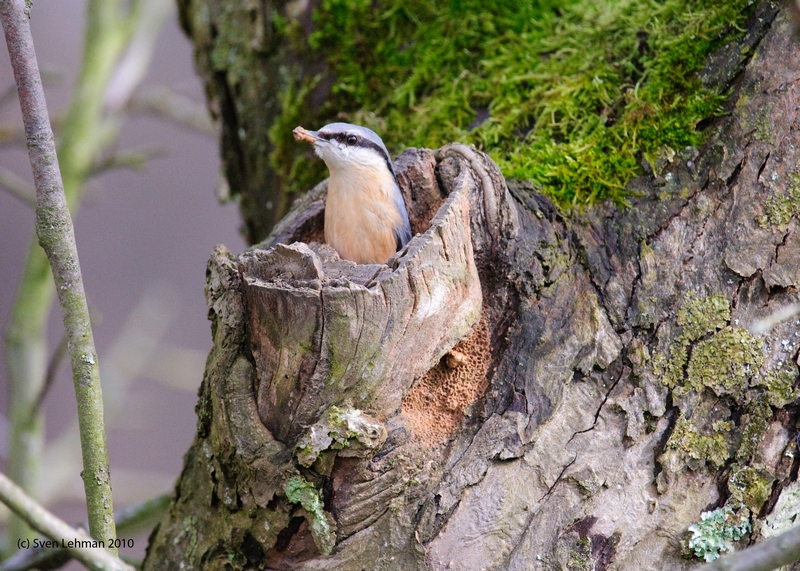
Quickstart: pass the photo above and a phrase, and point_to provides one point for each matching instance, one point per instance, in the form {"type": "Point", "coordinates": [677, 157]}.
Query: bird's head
{"type": "Point", "coordinates": [344, 147]}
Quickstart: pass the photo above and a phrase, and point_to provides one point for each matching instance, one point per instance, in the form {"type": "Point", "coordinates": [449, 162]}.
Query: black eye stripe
{"type": "Point", "coordinates": [363, 143]}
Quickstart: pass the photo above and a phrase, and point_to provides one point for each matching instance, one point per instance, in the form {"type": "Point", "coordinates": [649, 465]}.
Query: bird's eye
{"type": "Point", "coordinates": [352, 140]}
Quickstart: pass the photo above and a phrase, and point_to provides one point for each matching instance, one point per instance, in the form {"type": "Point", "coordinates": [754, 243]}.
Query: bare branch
{"type": "Point", "coordinates": [49, 525]}
{"type": "Point", "coordinates": [136, 159]}
{"type": "Point", "coordinates": [12, 134]}
{"type": "Point", "coordinates": [764, 556]}
{"type": "Point", "coordinates": [56, 236]}
{"type": "Point", "coordinates": [50, 375]}
{"type": "Point", "coordinates": [166, 103]}
{"type": "Point", "coordinates": [130, 520]}
{"type": "Point", "coordinates": [148, 20]}
{"type": "Point", "coordinates": [765, 325]}
{"type": "Point", "coordinates": [18, 187]}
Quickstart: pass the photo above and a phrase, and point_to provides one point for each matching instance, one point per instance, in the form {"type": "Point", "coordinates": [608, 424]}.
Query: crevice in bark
{"type": "Point", "coordinates": [781, 244]}
{"type": "Point", "coordinates": [671, 417]}
{"type": "Point", "coordinates": [558, 479]}
{"type": "Point", "coordinates": [769, 505]}
{"type": "Point", "coordinates": [599, 408]}
{"type": "Point", "coordinates": [761, 168]}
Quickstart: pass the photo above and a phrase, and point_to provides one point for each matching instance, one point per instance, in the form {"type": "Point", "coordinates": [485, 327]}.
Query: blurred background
{"type": "Point", "coordinates": [144, 235]}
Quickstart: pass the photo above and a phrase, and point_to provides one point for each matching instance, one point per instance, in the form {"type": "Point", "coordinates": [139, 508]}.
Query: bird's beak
{"type": "Point", "coordinates": [301, 134]}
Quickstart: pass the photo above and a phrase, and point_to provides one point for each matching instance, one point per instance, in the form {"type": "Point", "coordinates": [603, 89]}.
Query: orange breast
{"type": "Point", "coordinates": [360, 216]}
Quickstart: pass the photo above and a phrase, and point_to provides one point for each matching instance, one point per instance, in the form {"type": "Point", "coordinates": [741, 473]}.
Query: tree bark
{"type": "Point", "coordinates": [518, 388]}
{"type": "Point", "coordinates": [245, 64]}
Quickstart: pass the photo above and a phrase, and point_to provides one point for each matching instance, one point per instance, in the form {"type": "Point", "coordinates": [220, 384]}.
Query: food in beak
{"type": "Point", "coordinates": [301, 134]}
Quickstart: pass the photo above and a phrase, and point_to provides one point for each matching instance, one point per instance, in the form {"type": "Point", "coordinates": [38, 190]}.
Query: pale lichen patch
{"type": "Point", "coordinates": [716, 531]}
{"type": "Point", "coordinates": [724, 362]}
{"type": "Point", "coordinates": [713, 368]}
{"type": "Point", "coordinates": [347, 430]}
{"type": "Point", "coordinates": [781, 207]}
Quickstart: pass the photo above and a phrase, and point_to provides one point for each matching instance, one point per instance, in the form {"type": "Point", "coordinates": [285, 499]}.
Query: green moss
{"type": "Point", "coordinates": [570, 95]}
{"type": "Point", "coordinates": [323, 527]}
{"type": "Point", "coordinates": [282, 159]}
{"type": "Point", "coordinates": [779, 209]}
{"type": "Point", "coordinates": [716, 531]}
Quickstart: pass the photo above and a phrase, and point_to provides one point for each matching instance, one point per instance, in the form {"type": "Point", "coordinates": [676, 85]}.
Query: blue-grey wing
{"type": "Point", "coordinates": [402, 233]}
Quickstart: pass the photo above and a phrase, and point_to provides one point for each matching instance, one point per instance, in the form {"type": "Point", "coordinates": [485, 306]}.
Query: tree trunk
{"type": "Point", "coordinates": [518, 388]}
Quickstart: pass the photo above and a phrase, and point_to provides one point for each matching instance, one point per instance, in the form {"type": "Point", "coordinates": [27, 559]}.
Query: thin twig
{"type": "Point", "coordinates": [18, 187]}
{"type": "Point", "coordinates": [50, 375]}
{"type": "Point", "coordinates": [166, 103]}
{"type": "Point", "coordinates": [148, 15]}
{"type": "Point", "coordinates": [135, 159]}
{"type": "Point", "coordinates": [765, 325]}
{"type": "Point", "coordinates": [49, 77]}
{"type": "Point", "coordinates": [14, 134]}
{"type": "Point", "coordinates": [11, 134]}
{"type": "Point", "coordinates": [85, 131]}
{"type": "Point", "coordinates": [56, 236]}
{"type": "Point", "coordinates": [765, 556]}
{"type": "Point", "coordinates": [76, 541]}
{"type": "Point", "coordinates": [130, 520]}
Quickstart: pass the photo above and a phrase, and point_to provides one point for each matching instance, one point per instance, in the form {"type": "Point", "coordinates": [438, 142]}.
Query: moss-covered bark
{"type": "Point", "coordinates": [627, 392]}
{"type": "Point", "coordinates": [571, 96]}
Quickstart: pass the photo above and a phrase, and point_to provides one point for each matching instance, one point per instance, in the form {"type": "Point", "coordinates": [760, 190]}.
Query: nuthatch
{"type": "Point", "coordinates": [365, 217]}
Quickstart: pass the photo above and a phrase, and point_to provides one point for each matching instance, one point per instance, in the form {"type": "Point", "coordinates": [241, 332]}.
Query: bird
{"type": "Point", "coordinates": [366, 220]}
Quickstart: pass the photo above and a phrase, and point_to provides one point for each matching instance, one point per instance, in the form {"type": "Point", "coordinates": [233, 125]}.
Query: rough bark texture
{"type": "Point", "coordinates": [623, 393]}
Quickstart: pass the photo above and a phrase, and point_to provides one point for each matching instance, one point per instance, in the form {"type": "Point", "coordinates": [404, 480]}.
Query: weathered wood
{"type": "Point", "coordinates": [624, 395]}
{"type": "Point", "coordinates": [325, 331]}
